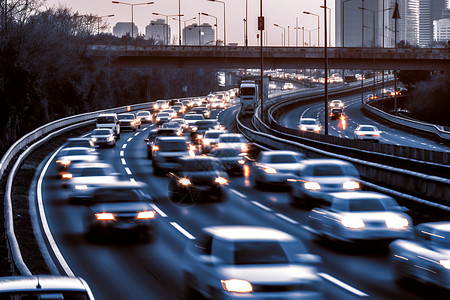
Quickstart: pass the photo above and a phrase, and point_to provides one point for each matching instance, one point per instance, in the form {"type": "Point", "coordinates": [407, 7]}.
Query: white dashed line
{"type": "Point", "coordinates": [287, 219]}
{"type": "Point", "coordinates": [182, 230]}
{"type": "Point", "coordinates": [124, 146]}
{"type": "Point", "coordinates": [128, 171]}
{"type": "Point", "coordinates": [136, 134]}
{"type": "Point", "coordinates": [122, 153]}
{"type": "Point", "coordinates": [343, 285]}
{"type": "Point", "coordinates": [238, 193]}
{"type": "Point", "coordinates": [130, 139]}
{"type": "Point", "coordinates": [159, 211]}
{"type": "Point", "coordinates": [144, 129]}
{"type": "Point", "coordinates": [123, 161]}
{"type": "Point", "coordinates": [261, 206]}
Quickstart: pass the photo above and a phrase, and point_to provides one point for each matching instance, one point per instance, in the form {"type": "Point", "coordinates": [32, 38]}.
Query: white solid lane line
{"type": "Point", "coordinates": [124, 146]}
{"type": "Point", "coordinates": [128, 171]}
{"type": "Point", "coordinates": [238, 193]}
{"type": "Point", "coordinates": [343, 285]}
{"type": "Point", "coordinates": [182, 230]}
{"type": "Point", "coordinates": [261, 206]}
{"type": "Point", "coordinates": [158, 210]}
{"type": "Point", "coordinates": [123, 161]}
{"type": "Point", "coordinates": [286, 218]}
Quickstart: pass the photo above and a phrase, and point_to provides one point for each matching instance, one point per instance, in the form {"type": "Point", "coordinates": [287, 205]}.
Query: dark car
{"type": "Point", "coordinates": [198, 178]}
{"type": "Point", "coordinates": [79, 142]}
{"type": "Point", "coordinates": [154, 133]}
{"type": "Point", "coordinates": [199, 128]}
{"type": "Point", "coordinates": [231, 160]}
{"type": "Point", "coordinates": [128, 122]}
{"type": "Point", "coordinates": [166, 151]}
{"type": "Point", "coordinates": [121, 208]}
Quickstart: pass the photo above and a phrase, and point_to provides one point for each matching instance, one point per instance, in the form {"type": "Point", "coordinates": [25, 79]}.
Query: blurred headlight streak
{"type": "Point", "coordinates": [397, 223]}
{"type": "Point", "coordinates": [81, 187]}
{"type": "Point", "coordinates": [270, 170]}
{"type": "Point", "coordinates": [63, 162]}
{"type": "Point", "coordinates": [146, 215]}
{"type": "Point", "coordinates": [105, 216]}
{"type": "Point", "coordinates": [244, 148]}
{"type": "Point", "coordinates": [311, 185]}
{"type": "Point", "coordinates": [237, 286]}
{"type": "Point", "coordinates": [351, 185]}
{"type": "Point", "coordinates": [352, 223]}
{"type": "Point", "coordinates": [221, 180]}
{"type": "Point", "coordinates": [184, 181]}
{"type": "Point", "coordinates": [445, 263]}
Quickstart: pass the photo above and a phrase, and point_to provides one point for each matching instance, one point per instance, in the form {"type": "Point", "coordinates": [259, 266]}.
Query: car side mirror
{"type": "Point", "coordinates": [308, 259]}
{"type": "Point", "coordinates": [404, 209]}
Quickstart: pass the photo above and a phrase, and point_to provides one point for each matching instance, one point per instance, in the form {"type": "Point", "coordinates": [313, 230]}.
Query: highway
{"type": "Point", "coordinates": [125, 269]}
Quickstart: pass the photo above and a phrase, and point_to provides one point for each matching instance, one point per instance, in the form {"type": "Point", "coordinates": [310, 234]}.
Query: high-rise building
{"type": "Point", "coordinates": [199, 35]}
{"type": "Point", "coordinates": [159, 31]}
{"type": "Point", "coordinates": [407, 25]}
{"type": "Point", "coordinates": [441, 30]}
{"type": "Point", "coordinates": [429, 10]}
{"type": "Point", "coordinates": [124, 28]}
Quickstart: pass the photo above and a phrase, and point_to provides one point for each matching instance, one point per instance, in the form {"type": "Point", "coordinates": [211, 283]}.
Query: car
{"type": "Point", "coordinates": [309, 124]}
{"type": "Point", "coordinates": [197, 102]}
{"type": "Point", "coordinates": [109, 121]}
{"type": "Point", "coordinates": [199, 128]}
{"type": "Point", "coordinates": [144, 116]}
{"type": "Point", "coordinates": [287, 86]}
{"type": "Point", "coordinates": [163, 117]}
{"type": "Point", "coordinates": [128, 121]}
{"type": "Point", "coordinates": [249, 262]}
{"type": "Point", "coordinates": [171, 111]}
{"type": "Point", "coordinates": [182, 122]}
{"type": "Point", "coordinates": [197, 178]}
{"type": "Point", "coordinates": [426, 258]}
{"type": "Point", "coordinates": [173, 125]}
{"type": "Point", "coordinates": [192, 118]}
{"type": "Point", "coordinates": [82, 178]}
{"type": "Point", "coordinates": [231, 159]}
{"type": "Point", "coordinates": [336, 109]}
{"type": "Point", "coordinates": [274, 167]}
{"type": "Point", "coordinates": [166, 151]}
{"type": "Point", "coordinates": [160, 105]}
{"type": "Point", "coordinates": [79, 142]}
{"type": "Point", "coordinates": [187, 103]}
{"type": "Point", "coordinates": [103, 137]}
{"type": "Point", "coordinates": [367, 133]}
{"type": "Point", "coordinates": [210, 139]}
{"type": "Point", "coordinates": [217, 104]}
{"type": "Point", "coordinates": [201, 110]}
{"type": "Point", "coordinates": [67, 156]}
{"type": "Point", "coordinates": [179, 109]}
{"type": "Point", "coordinates": [124, 207]}
{"type": "Point", "coordinates": [44, 287]}
{"type": "Point", "coordinates": [157, 132]}
{"type": "Point", "coordinates": [318, 177]}
{"type": "Point", "coordinates": [233, 140]}
{"type": "Point", "coordinates": [360, 216]}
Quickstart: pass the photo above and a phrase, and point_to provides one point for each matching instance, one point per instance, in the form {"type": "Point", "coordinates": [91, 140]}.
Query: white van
{"type": "Point", "coordinates": [109, 121]}
{"type": "Point", "coordinates": [248, 96]}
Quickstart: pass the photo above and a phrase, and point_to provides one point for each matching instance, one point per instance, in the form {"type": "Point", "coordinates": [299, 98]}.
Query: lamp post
{"type": "Point", "coordinates": [99, 19]}
{"type": "Point", "coordinates": [283, 40]}
{"type": "Point", "coordinates": [373, 14]}
{"type": "Point", "coordinates": [326, 63]}
{"type": "Point", "coordinates": [309, 31]}
{"type": "Point", "coordinates": [179, 22]}
{"type": "Point", "coordinates": [217, 28]}
{"type": "Point", "coordinates": [167, 23]}
{"type": "Point", "coordinates": [246, 23]}
{"type": "Point", "coordinates": [184, 22]}
{"type": "Point", "coordinates": [132, 11]}
{"type": "Point", "coordinates": [224, 20]}
{"type": "Point", "coordinates": [318, 25]}
{"type": "Point", "coordinates": [329, 11]}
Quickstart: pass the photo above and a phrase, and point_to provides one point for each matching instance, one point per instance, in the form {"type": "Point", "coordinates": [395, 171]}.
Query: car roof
{"type": "Point", "coordinates": [107, 115]}
{"type": "Point", "coordinates": [77, 148]}
{"type": "Point", "coordinates": [41, 283]}
{"type": "Point", "coordinates": [197, 157]}
{"type": "Point", "coordinates": [278, 152]}
{"type": "Point", "coordinates": [92, 165]}
{"type": "Point", "coordinates": [249, 233]}
{"type": "Point", "coordinates": [359, 195]}
{"type": "Point", "coordinates": [307, 119]}
{"type": "Point", "coordinates": [171, 138]}
{"type": "Point", "coordinates": [321, 161]}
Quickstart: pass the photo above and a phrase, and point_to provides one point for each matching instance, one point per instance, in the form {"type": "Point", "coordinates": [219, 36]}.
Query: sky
{"type": "Point", "coordinates": [281, 12]}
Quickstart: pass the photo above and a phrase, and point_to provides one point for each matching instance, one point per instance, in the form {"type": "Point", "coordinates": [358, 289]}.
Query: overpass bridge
{"type": "Point", "coordinates": [232, 57]}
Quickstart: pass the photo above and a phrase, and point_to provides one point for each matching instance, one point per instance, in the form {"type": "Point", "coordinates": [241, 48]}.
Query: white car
{"type": "Point", "coordinates": [360, 216]}
{"type": "Point", "coordinates": [287, 86]}
{"type": "Point", "coordinates": [247, 262]}
{"type": "Point", "coordinates": [337, 104]}
{"type": "Point", "coordinates": [145, 116]}
{"type": "Point", "coordinates": [425, 258]}
{"type": "Point", "coordinates": [190, 119]}
{"type": "Point", "coordinates": [103, 137]}
{"type": "Point", "coordinates": [233, 140]}
{"type": "Point", "coordinates": [67, 156]}
{"type": "Point", "coordinates": [367, 133]}
{"type": "Point", "coordinates": [211, 139]}
{"type": "Point", "coordinates": [309, 124]}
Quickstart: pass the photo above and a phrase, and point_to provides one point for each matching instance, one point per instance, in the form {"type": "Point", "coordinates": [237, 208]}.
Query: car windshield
{"type": "Point", "coordinates": [193, 117]}
{"type": "Point", "coordinates": [263, 252]}
{"type": "Point", "coordinates": [73, 152]}
{"type": "Point", "coordinates": [308, 122]}
{"type": "Point", "coordinates": [225, 152]}
{"type": "Point", "coordinates": [101, 132]}
{"type": "Point", "coordinates": [212, 135]}
{"type": "Point", "coordinates": [172, 146]}
{"type": "Point", "coordinates": [94, 171]}
{"type": "Point", "coordinates": [367, 128]}
{"type": "Point", "coordinates": [51, 295]}
{"type": "Point", "coordinates": [194, 165]}
{"type": "Point", "coordinates": [171, 125]}
{"type": "Point", "coordinates": [231, 139]}
{"type": "Point", "coordinates": [362, 205]}
{"type": "Point", "coordinates": [105, 120]}
{"type": "Point", "coordinates": [78, 143]}
{"type": "Point", "coordinates": [163, 115]}
{"type": "Point", "coordinates": [143, 113]}
{"type": "Point", "coordinates": [125, 117]}
{"type": "Point", "coordinates": [119, 195]}
{"type": "Point", "coordinates": [325, 170]}
{"type": "Point", "coordinates": [282, 159]}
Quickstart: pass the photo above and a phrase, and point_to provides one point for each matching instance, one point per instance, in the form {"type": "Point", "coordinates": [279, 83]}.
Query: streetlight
{"type": "Point", "coordinates": [184, 22]}
{"type": "Point", "coordinates": [283, 40]}
{"type": "Point", "coordinates": [217, 28]}
{"type": "Point", "coordinates": [246, 23]}
{"type": "Point", "coordinates": [224, 24]}
{"type": "Point", "coordinates": [132, 8]}
{"type": "Point", "coordinates": [329, 32]}
{"type": "Point", "coordinates": [98, 21]}
{"type": "Point", "coordinates": [318, 25]}
{"type": "Point", "coordinates": [167, 23]}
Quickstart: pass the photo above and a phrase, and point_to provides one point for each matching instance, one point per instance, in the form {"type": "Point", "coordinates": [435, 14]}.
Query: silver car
{"type": "Point", "coordinates": [427, 257]}
{"type": "Point", "coordinates": [275, 167]}
{"type": "Point", "coordinates": [360, 216]}
{"type": "Point", "coordinates": [246, 262]}
{"type": "Point", "coordinates": [67, 156]}
{"type": "Point", "coordinates": [318, 177]}
{"type": "Point", "coordinates": [103, 137]}
{"type": "Point", "coordinates": [367, 133]}
{"type": "Point", "coordinates": [309, 124]}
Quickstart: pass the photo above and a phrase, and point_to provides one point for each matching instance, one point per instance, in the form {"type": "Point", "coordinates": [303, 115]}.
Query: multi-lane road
{"type": "Point", "coordinates": [131, 270]}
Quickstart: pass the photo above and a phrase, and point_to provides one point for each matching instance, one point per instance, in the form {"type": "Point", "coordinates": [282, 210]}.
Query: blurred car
{"type": "Point", "coordinates": [233, 140]}
{"type": "Point", "coordinates": [336, 109]}
{"type": "Point", "coordinates": [367, 132]}
{"type": "Point", "coordinates": [426, 258]}
{"type": "Point", "coordinates": [217, 104]}
{"type": "Point", "coordinates": [171, 111]}
{"type": "Point", "coordinates": [274, 167]}
{"type": "Point", "coordinates": [166, 151]}
{"type": "Point", "coordinates": [173, 125]}
{"type": "Point", "coordinates": [121, 208]}
{"type": "Point", "coordinates": [211, 139]}
{"type": "Point", "coordinates": [187, 103]}
{"type": "Point", "coordinates": [160, 105]}
{"type": "Point", "coordinates": [110, 121]}
{"type": "Point", "coordinates": [157, 132]}
{"type": "Point", "coordinates": [287, 86]}
{"type": "Point", "coordinates": [309, 124]}
{"type": "Point", "coordinates": [360, 216]}
{"type": "Point", "coordinates": [197, 102]}
{"type": "Point", "coordinates": [182, 122]}
{"type": "Point", "coordinates": [192, 118]}
{"type": "Point", "coordinates": [67, 156]}
{"type": "Point", "coordinates": [82, 178]}
{"type": "Point", "coordinates": [230, 158]}
{"type": "Point", "coordinates": [318, 177]}
{"type": "Point", "coordinates": [128, 122]}
{"type": "Point", "coordinates": [44, 287]}
{"type": "Point", "coordinates": [144, 116]}
{"type": "Point", "coordinates": [202, 111]}
{"type": "Point", "coordinates": [337, 104]}
{"type": "Point", "coordinates": [199, 128]}
{"type": "Point", "coordinates": [163, 117]}
{"type": "Point", "coordinates": [79, 142]}
{"type": "Point", "coordinates": [179, 108]}
{"type": "Point", "coordinates": [103, 137]}
{"type": "Point", "coordinates": [196, 179]}
{"type": "Point", "coordinates": [248, 262]}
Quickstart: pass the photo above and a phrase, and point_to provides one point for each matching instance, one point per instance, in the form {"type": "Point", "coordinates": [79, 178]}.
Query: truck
{"type": "Point", "coordinates": [248, 96]}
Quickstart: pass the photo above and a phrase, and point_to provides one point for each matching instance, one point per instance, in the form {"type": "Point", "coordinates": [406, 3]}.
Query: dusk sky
{"type": "Point", "coordinates": [282, 12]}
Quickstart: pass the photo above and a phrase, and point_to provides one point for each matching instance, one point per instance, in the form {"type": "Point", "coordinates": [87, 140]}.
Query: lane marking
{"type": "Point", "coordinates": [122, 153]}
{"type": "Point", "coordinates": [286, 218]}
{"type": "Point", "coordinates": [128, 171]}
{"type": "Point", "coordinates": [182, 230]}
{"type": "Point", "coordinates": [144, 129]}
{"type": "Point", "coordinates": [130, 139]}
{"type": "Point", "coordinates": [261, 206]}
{"type": "Point", "coordinates": [137, 133]}
{"type": "Point", "coordinates": [133, 180]}
{"type": "Point", "coordinates": [123, 161]}
{"type": "Point", "coordinates": [158, 210]}
{"type": "Point", "coordinates": [45, 227]}
{"type": "Point", "coordinates": [124, 146]}
{"type": "Point", "coordinates": [343, 285]}
{"type": "Point", "coordinates": [238, 193]}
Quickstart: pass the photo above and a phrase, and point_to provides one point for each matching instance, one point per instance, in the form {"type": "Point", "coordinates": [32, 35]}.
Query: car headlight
{"type": "Point", "coordinates": [237, 286]}
{"type": "Point", "coordinates": [105, 216]}
{"type": "Point", "coordinates": [270, 170]}
{"type": "Point", "coordinates": [66, 176]}
{"type": "Point", "coordinates": [146, 215]}
{"type": "Point", "coordinates": [156, 106]}
{"type": "Point", "coordinates": [199, 136]}
{"type": "Point", "coordinates": [351, 185]}
{"type": "Point", "coordinates": [332, 105]}
{"type": "Point", "coordinates": [221, 180]}
{"type": "Point", "coordinates": [184, 181]}
{"type": "Point", "coordinates": [352, 223]}
{"type": "Point", "coordinates": [194, 128]}
{"type": "Point", "coordinates": [158, 119]}
{"type": "Point", "coordinates": [110, 139]}
{"type": "Point", "coordinates": [241, 161]}
{"type": "Point", "coordinates": [81, 187]}
{"type": "Point", "coordinates": [206, 142]}
{"type": "Point", "coordinates": [64, 162]}
{"type": "Point", "coordinates": [312, 186]}
{"type": "Point", "coordinates": [94, 139]}
{"type": "Point", "coordinates": [445, 263]}
{"type": "Point", "coordinates": [155, 148]}
{"type": "Point", "coordinates": [302, 128]}
{"type": "Point", "coordinates": [317, 128]}
{"type": "Point", "coordinates": [397, 223]}
{"type": "Point", "coordinates": [244, 148]}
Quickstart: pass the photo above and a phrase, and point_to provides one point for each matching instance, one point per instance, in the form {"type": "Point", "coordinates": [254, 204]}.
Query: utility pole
{"type": "Point", "coordinates": [261, 29]}
{"type": "Point", "coordinates": [395, 16]}
{"type": "Point", "coordinates": [326, 66]}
